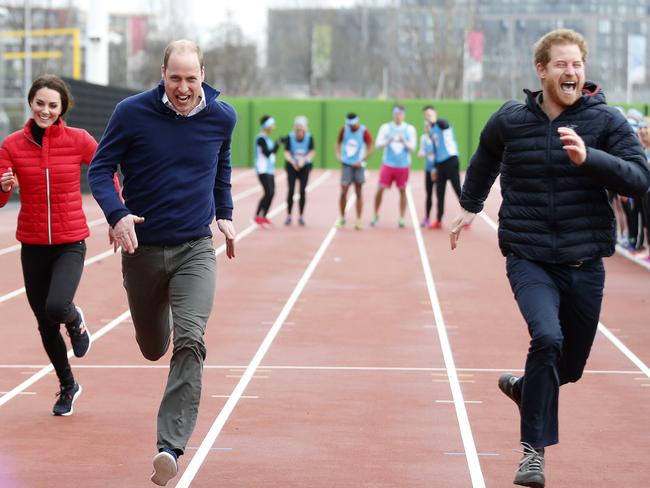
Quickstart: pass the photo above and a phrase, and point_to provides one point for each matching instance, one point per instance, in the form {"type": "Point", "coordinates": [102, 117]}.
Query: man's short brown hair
{"type": "Point", "coordinates": [542, 48]}
{"type": "Point", "coordinates": [180, 46]}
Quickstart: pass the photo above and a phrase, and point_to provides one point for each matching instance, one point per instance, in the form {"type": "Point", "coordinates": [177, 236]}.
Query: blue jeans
{"type": "Point", "coordinates": [561, 305]}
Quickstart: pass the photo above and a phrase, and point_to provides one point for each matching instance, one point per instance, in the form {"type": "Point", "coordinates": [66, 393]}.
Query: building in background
{"type": "Point", "coordinates": [472, 49]}
{"type": "Point", "coordinates": [462, 49]}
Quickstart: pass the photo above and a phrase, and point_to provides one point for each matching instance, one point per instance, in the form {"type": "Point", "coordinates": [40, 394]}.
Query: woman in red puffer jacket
{"type": "Point", "coordinates": [46, 157]}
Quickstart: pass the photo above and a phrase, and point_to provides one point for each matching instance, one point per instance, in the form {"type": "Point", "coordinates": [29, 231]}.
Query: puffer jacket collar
{"type": "Point", "coordinates": [54, 130]}
{"type": "Point", "coordinates": [592, 95]}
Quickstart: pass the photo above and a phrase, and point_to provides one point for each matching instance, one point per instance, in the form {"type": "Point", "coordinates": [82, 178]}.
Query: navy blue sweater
{"type": "Point", "coordinates": [176, 169]}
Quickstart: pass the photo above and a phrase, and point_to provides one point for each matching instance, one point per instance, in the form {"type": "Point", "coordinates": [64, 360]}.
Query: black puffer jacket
{"type": "Point", "coordinates": [554, 211]}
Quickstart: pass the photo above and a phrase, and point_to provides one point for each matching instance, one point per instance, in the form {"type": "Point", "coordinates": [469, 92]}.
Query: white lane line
{"type": "Point", "coordinates": [9, 249]}
{"type": "Point", "coordinates": [380, 369]}
{"type": "Point", "coordinates": [253, 227]}
{"type": "Point", "coordinates": [632, 257]}
{"type": "Point", "coordinates": [49, 368]}
{"type": "Point", "coordinates": [624, 349]}
{"type": "Point", "coordinates": [252, 397]}
{"type": "Point", "coordinates": [601, 327]}
{"type": "Point", "coordinates": [109, 252]}
{"type": "Point", "coordinates": [108, 327]}
{"type": "Point", "coordinates": [241, 174]}
{"type": "Point", "coordinates": [16, 247]}
{"type": "Point", "coordinates": [238, 391]}
{"type": "Point", "coordinates": [88, 261]}
{"type": "Point", "coordinates": [480, 454]}
{"type": "Point", "coordinates": [466, 401]}
{"type": "Point", "coordinates": [467, 437]}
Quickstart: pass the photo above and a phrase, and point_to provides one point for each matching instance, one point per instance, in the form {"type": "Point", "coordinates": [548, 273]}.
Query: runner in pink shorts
{"type": "Point", "coordinates": [390, 174]}
{"type": "Point", "coordinates": [398, 140]}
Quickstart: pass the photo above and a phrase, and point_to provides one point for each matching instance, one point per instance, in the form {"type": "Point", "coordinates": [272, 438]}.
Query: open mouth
{"type": "Point", "coordinates": [568, 87]}
{"type": "Point", "coordinates": [183, 99]}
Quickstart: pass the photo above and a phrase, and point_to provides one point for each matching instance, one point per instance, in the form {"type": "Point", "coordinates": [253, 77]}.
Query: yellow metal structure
{"type": "Point", "coordinates": [74, 32]}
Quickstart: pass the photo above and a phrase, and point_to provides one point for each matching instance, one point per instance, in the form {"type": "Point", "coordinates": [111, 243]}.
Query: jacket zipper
{"type": "Point", "coordinates": [551, 199]}
{"type": "Point", "coordinates": [47, 190]}
{"type": "Point", "coordinates": [49, 207]}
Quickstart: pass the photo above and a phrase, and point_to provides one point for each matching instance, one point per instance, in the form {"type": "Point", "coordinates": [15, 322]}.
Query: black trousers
{"type": "Point", "coordinates": [268, 184]}
{"type": "Point", "coordinates": [447, 170]}
{"type": "Point", "coordinates": [301, 175]}
{"type": "Point", "coordinates": [52, 274]}
{"type": "Point", "coordinates": [561, 306]}
{"type": "Point", "coordinates": [428, 185]}
{"type": "Point", "coordinates": [634, 214]}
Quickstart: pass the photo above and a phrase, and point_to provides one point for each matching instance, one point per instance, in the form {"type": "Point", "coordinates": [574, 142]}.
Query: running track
{"type": "Point", "coordinates": [335, 359]}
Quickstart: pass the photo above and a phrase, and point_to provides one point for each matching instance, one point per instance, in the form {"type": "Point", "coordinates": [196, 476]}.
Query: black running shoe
{"type": "Point", "coordinates": [79, 336]}
{"type": "Point", "coordinates": [531, 468]}
{"type": "Point", "coordinates": [67, 397]}
{"type": "Point", "coordinates": [507, 386]}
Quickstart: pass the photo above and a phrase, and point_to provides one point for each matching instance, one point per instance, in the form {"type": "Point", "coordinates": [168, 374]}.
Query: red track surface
{"type": "Point", "coordinates": [352, 391]}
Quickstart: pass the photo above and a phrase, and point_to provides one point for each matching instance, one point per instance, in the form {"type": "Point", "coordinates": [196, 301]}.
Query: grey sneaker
{"type": "Point", "coordinates": [507, 386]}
{"type": "Point", "coordinates": [165, 467]}
{"type": "Point", "coordinates": [531, 468]}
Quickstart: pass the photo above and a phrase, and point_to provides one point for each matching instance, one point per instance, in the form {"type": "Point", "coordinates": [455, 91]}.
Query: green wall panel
{"type": "Point", "coordinates": [240, 143]}
{"type": "Point", "coordinates": [327, 116]}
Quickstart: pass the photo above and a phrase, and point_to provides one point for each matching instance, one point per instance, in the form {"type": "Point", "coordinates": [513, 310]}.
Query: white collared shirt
{"type": "Point", "coordinates": [194, 111]}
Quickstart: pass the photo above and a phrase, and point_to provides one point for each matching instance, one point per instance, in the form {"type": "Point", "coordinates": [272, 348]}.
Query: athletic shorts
{"type": "Point", "coordinates": [350, 174]}
{"type": "Point", "coordinates": [388, 174]}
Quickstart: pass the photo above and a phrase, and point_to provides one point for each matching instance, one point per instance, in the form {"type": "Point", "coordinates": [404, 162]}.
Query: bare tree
{"type": "Point", "coordinates": [231, 61]}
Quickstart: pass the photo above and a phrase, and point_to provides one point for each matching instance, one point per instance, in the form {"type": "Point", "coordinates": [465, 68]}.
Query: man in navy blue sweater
{"type": "Point", "coordinates": [172, 144]}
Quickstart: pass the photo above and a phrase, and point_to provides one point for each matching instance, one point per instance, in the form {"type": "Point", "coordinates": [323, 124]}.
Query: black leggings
{"type": "Point", "coordinates": [268, 183]}
{"type": "Point", "coordinates": [428, 184]}
{"type": "Point", "coordinates": [52, 275]}
{"type": "Point", "coordinates": [303, 176]}
{"type": "Point", "coordinates": [447, 170]}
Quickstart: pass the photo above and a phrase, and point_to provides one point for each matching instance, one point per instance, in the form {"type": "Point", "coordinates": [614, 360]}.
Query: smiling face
{"type": "Point", "coordinates": [183, 76]}
{"type": "Point", "coordinates": [563, 77]}
{"type": "Point", "coordinates": [46, 107]}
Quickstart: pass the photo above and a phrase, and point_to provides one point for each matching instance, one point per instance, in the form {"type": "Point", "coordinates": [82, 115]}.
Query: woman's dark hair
{"type": "Point", "coordinates": [264, 119]}
{"type": "Point", "coordinates": [55, 83]}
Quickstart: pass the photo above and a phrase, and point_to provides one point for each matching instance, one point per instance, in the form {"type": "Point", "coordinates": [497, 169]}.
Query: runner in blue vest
{"type": "Point", "coordinates": [447, 164]}
{"type": "Point", "coordinates": [298, 156]}
{"type": "Point", "coordinates": [265, 149]}
{"type": "Point", "coordinates": [353, 148]}
{"type": "Point", "coordinates": [398, 140]}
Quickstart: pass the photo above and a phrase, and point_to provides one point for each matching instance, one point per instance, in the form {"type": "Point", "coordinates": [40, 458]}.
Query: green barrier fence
{"type": "Point", "coordinates": [326, 117]}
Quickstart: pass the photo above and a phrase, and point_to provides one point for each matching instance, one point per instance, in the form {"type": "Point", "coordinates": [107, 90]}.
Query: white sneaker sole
{"type": "Point", "coordinates": [90, 338]}
{"type": "Point", "coordinates": [165, 468]}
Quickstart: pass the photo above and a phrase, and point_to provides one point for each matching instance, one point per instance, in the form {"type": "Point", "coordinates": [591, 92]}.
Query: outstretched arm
{"type": "Point", "coordinates": [481, 173]}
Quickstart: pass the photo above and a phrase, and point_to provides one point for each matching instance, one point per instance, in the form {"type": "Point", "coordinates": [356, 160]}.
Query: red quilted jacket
{"type": "Point", "coordinates": [49, 181]}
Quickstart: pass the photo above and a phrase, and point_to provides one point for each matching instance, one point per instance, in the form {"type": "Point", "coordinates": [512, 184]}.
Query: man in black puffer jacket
{"type": "Point", "coordinates": [556, 154]}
